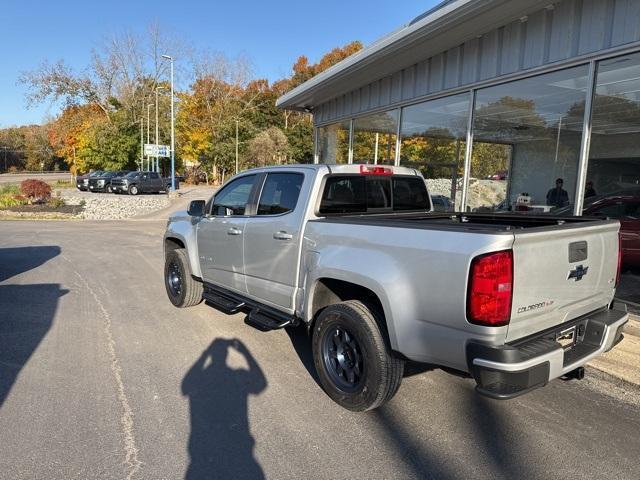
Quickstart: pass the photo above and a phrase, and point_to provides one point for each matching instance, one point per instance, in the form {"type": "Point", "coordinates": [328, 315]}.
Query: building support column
{"type": "Point", "coordinates": [467, 153]}
{"type": "Point", "coordinates": [586, 141]}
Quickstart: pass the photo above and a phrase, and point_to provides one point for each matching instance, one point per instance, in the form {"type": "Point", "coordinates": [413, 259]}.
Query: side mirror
{"type": "Point", "coordinates": [196, 208]}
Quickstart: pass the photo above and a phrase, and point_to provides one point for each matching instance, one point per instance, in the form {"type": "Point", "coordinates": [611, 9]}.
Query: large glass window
{"type": "Point", "coordinates": [433, 140]}
{"type": "Point", "coordinates": [526, 146]}
{"type": "Point", "coordinates": [333, 143]}
{"type": "Point", "coordinates": [374, 138]}
{"type": "Point", "coordinates": [614, 155]}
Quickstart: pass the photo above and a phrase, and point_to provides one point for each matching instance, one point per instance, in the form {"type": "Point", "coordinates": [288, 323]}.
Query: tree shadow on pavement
{"type": "Point", "coordinates": [220, 444]}
{"type": "Point", "coordinates": [26, 311]}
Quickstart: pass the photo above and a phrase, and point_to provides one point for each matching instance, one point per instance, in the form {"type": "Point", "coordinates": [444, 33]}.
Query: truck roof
{"type": "Point", "coordinates": [350, 168]}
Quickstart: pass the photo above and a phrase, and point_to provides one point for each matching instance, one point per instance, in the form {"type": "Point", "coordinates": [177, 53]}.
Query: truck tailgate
{"type": "Point", "coordinates": [561, 273]}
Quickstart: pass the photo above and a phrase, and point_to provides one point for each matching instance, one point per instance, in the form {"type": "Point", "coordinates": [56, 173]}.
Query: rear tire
{"type": "Point", "coordinates": [182, 290]}
{"type": "Point", "coordinates": [354, 364]}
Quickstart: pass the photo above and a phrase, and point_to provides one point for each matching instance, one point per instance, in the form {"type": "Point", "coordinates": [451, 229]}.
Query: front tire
{"type": "Point", "coordinates": [133, 190]}
{"type": "Point", "coordinates": [109, 189]}
{"type": "Point", "coordinates": [182, 290]}
{"type": "Point", "coordinates": [354, 364]}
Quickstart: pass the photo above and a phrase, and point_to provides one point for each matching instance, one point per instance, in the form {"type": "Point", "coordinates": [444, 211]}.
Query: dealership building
{"type": "Point", "coordinates": [493, 100]}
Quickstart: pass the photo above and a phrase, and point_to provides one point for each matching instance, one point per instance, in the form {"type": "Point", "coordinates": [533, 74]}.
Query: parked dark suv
{"type": "Point", "coordinates": [102, 182]}
{"type": "Point", "coordinates": [82, 181]}
{"type": "Point", "coordinates": [141, 182]}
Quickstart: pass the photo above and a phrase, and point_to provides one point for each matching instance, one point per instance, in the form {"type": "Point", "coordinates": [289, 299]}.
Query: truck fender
{"type": "Point", "coordinates": [183, 234]}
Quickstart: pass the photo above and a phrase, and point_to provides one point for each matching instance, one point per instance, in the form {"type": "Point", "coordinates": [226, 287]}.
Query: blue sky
{"type": "Point", "coordinates": [271, 34]}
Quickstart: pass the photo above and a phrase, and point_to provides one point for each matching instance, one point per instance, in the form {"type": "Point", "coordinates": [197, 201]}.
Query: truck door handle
{"type": "Point", "coordinates": [282, 235]}
{"type": "Point", "coordinates": [234, 231]}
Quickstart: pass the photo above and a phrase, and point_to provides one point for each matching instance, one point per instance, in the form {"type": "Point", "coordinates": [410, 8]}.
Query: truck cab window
{"type": "Point", "coordinates": [280, 193]}
{"type": "Point", "coordinates": [233, 198]}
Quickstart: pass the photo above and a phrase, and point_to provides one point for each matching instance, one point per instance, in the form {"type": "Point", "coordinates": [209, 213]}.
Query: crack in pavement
{"type": "Point", "coordinates": [128, 429]}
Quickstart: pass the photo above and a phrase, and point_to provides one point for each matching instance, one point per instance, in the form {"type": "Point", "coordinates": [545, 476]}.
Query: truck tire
{"type": "Point", "coordinates": [182, 289]}
{"type": "Point", "coordinates": [354, 364]}
{"type": "Point", "coordinates": [109, 189]}
{"type": "Point", "coordinates": [133, 190]}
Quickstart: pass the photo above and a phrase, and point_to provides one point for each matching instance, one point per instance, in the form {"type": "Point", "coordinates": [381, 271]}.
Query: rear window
{"type": "Point", "coordinates": [373, 194]}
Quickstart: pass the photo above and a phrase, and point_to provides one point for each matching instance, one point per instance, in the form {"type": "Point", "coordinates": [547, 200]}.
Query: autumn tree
{"type": "Point", "coordinates": [269, 147]}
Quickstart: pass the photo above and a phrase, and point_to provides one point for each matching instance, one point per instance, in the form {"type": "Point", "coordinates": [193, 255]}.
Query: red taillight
{"type": "Point", "coordinates": [619, 259]}
{"type": "Point", "coordinates": [375, 170]}
{"type": "Point", "coordinates": [490, 289]}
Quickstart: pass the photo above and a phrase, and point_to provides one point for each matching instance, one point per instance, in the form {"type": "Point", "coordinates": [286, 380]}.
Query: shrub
{"type": "Point", "coordinates": [13, 169]}
{"type": "Point", "coordinates": [8, 200]}
{"type": "Point", "coordinates": [35, 190]}
{"type": "Point", "coordinates": [9, 189]}
{"type": "Point", "coordinates": [57, 202]}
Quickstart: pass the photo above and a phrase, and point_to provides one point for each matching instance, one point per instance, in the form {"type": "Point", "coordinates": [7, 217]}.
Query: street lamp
{"type": "Point", "coordinates": [149, 105]}
{"type": "Point", "coordinates": [173, 146]}
{"type": "Point", "coordinates": [236, 146]}
{"type": "Point", "coordinates": [159, 87]}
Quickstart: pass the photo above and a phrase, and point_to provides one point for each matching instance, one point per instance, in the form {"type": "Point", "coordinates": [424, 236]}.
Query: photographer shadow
{"type": "Point", "coordinates": [220, 444]}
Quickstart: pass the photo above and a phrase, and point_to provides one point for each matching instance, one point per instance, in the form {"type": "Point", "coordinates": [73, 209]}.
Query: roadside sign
{"type": "Point", "coordinates": [163, 150]}
{"type": "Point", "coordinates": [150, 149]}
{"type": "Point", "coordinates": [153, 150]}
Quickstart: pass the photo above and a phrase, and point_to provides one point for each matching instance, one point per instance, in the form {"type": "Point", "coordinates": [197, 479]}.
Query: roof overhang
{"type": "Point", "coordinates": [450, 24]}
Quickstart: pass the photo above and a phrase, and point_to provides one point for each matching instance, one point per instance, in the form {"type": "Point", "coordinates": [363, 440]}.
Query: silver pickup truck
{"type": "Point", "coordinates": [357, 255]}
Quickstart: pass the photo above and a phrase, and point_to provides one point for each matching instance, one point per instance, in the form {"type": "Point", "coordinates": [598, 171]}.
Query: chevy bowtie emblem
{"type": "Point", "coordinates": [578, 273]}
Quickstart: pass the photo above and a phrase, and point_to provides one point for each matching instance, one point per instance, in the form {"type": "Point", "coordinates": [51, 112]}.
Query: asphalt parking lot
{"type": "Point", "coordinates": [101, 377]}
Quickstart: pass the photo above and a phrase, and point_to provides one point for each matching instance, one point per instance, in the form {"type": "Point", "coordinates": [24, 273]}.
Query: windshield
{"type": "Point", "coordinates": [97, 173]}
{"type": "Point", "coordinates": [132, 174]}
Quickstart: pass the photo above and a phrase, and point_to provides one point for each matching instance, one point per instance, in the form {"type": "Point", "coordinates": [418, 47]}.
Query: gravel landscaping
{"type": "Point", "coordinates": [105, 206]}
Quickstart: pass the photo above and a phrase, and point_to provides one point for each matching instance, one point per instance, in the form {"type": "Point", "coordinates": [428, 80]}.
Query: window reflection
{"type": "Point", "coordinates": [433, 140]}
{"type": "Point", "coordinates": [374, 138]}
{"type": "Point", "coordinates": [527, 136]}
{"type": "Point", "coordinates": [614, 155]}
{"type": "Point", "coordinates": [333, 143]}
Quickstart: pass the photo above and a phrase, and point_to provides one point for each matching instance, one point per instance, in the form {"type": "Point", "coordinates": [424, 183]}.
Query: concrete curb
{"type": "Point", "coordinates": [623, 361]}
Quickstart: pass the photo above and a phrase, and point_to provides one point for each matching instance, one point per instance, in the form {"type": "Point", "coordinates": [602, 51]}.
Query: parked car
{"type": "Point", "coordinates": [102, 182]}
{"type": "Point", "coordinates": [82, 181]}
{"type": "Point", "coordinates": [499, 175]}
{"type": "Point", "coordinates": [625, 207]}
{"type": "Point", "coordinates": [442, 203]}
{"type": "Point", "coordinates": [135, 183]}
{"type": "Point", "coordinates": [356, 254]}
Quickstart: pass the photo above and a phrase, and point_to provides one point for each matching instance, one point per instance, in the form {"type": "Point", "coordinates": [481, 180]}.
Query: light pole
{"type": "Point", "coordinates": [159, 87]}
{"type": "Point", "coordinates": [141, 143]}
{"type": "Point", "coordinates": [173, 146]}
{"type": "Point", "coordinates": [236, 146]}
{"type": "Point", "coordinates": [149, 105]}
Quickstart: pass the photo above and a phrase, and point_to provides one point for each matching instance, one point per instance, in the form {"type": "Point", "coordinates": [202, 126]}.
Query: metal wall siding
{"type": "Point", "coordinates": [436, 73]}
{"type": "Point", "coordinates": [626, 22]}
{"type": "Point", "coordinates": [511, 48]}
{"type": "Point", "coordinates": [470, 62]}
{"type": "Point", "coordinates": [409, 83]}
{"type": "Point", "coordinates": [535, 39]}
{"type": "Point", "coordinates": [396, 87]}
{"type": "Point", "coordinates": [422, 76]}
{"type": "Point", "coordinates": [559, 32]}
{"type": "Point", "coordinates": [452, 68]}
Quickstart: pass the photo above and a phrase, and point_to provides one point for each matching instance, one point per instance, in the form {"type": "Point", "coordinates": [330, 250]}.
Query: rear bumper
{"type": "Point", "coordinates": [508, 371]}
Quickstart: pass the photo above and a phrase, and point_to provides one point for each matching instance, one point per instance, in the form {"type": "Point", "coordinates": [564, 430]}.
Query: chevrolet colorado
{"type": "Point", "coordinates": [357, 255]}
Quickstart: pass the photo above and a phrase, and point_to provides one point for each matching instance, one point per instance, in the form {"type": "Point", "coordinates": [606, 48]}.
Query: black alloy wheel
{"type": "Point", "coordinates": [354, 362]}
{"type": "Point", "coordinates": [182, 288]}
{"type": "Point", "coordinates": [342, 358]}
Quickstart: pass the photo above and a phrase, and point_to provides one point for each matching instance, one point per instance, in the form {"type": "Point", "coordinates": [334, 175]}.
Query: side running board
{"type": "Point", "coordinates": [223, 302]}
{"type": "Point", "coordinates": [265, 321]}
